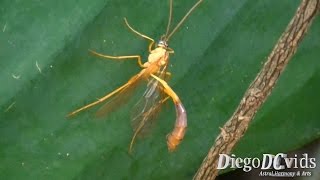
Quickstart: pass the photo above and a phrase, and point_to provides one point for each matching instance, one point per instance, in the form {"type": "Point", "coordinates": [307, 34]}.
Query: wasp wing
{"type": "Point", "coordinates": [148, 107]}
{"type": "Point", "coordinates": [121, 97]}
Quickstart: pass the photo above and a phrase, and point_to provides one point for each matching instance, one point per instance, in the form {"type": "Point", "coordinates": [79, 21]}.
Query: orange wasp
{"type": "Point", "coordinates": [154, 71]}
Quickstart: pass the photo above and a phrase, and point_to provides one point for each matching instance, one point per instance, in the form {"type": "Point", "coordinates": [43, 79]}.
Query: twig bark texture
{"type": "Point", "coordinates": [260, 88]}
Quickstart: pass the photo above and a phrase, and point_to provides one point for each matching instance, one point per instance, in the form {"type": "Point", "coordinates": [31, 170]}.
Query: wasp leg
{"type": "Point", "coordinates": [142, 35]}
{"type": "Point", "coordinates": [119, 57]}
{"type": "Point", "coordinates": [103, 98]}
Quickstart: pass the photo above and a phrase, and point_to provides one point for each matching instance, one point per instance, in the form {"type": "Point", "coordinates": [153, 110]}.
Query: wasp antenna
{"type": "Point", "coordinates": [170, 18]}
{"type": "Point", "coordinates": [183, 19]}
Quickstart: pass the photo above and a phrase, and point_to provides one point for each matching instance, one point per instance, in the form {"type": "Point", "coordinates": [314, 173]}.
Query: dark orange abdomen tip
{"type": "Point", "coordinates": [174, 138]}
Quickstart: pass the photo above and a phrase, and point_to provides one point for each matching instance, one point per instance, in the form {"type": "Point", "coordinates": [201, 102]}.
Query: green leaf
{"type": "Point", "coordinates": [46, 72]}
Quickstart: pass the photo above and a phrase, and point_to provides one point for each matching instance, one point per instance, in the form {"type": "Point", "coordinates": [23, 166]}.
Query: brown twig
{"type": "Point", "coordinates": [260, 88]}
